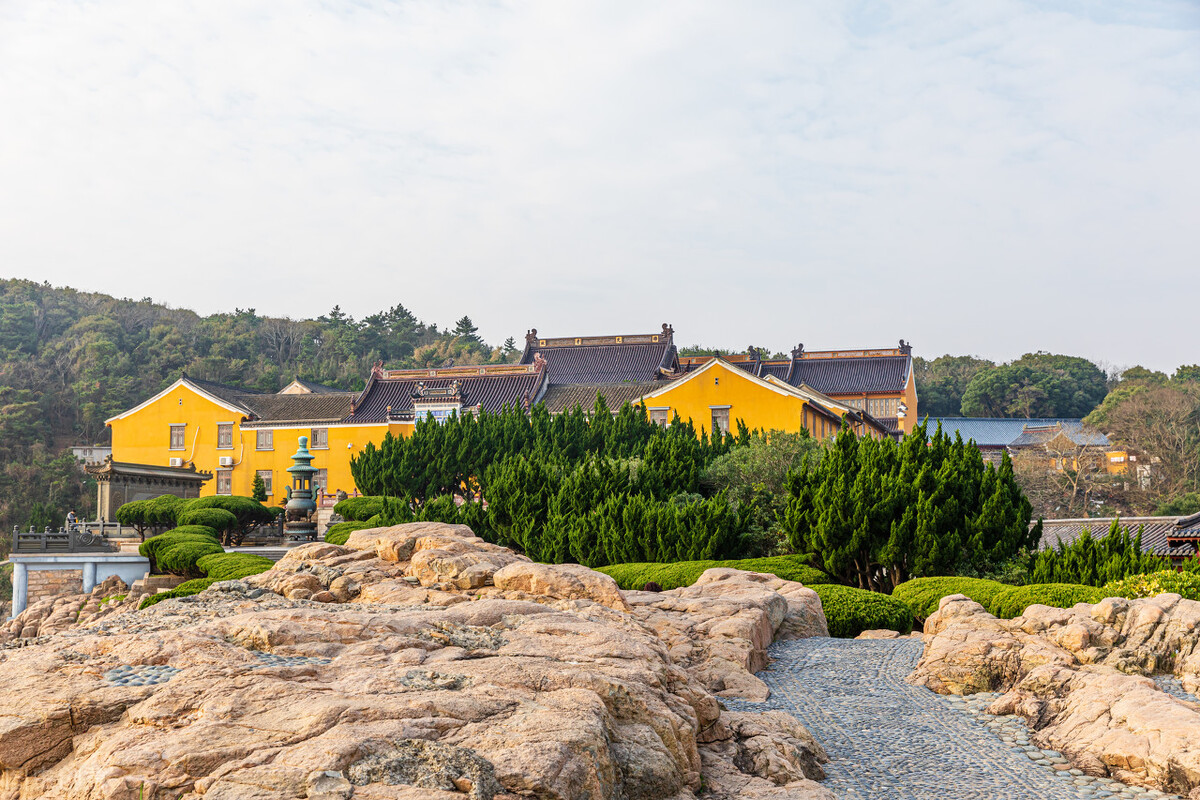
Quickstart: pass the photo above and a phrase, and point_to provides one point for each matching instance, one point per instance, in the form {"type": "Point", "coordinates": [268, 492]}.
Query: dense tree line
{"type": "Point", "coordinates": [875, 513]}
{"type": "Point", "coordinates": [1096, 561]}
{"type": "Point", "coordinates": [69, 360]}
{"type": "Point", "coordinates": [1034, 385]}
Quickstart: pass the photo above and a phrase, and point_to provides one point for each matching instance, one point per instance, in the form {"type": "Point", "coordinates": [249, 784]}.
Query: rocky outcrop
{"type": "Point", "coordinates": [1081, 678]}
{"type": "Point", "coordinates": [415, 662]}
{"type": "Point", "coordinates": [54, 614]}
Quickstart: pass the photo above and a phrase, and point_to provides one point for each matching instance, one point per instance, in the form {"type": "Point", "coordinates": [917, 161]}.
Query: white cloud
{"type": "Point", "coordinates": [990, 177]}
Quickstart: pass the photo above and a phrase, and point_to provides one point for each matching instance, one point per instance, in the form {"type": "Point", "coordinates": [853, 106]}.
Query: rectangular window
{"type": "Point", "coordinates": [659, 416]}
{"type": "Point", "coordinates": [265, 474]}
{"type": "Point", "coordinates": [225, 436]}
{"type": "Point", "coordinates": [265, 441]}
{"type": "Point", "coordinates": [224, 481]}
{"type": "Point", "coordinates": [178, 437]}
{"type": "Point", "coordinates": [720, 419]}
{"type": "Point", "coordinates": [321, 479]}
{"type": "Point", "coordinates": [320, 439]}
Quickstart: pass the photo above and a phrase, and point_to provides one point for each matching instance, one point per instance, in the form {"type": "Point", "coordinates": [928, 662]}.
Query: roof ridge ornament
{"type": "Point", "coordinates": [798, 351]}
{"type": "Point", "coordinates": [905, 347]}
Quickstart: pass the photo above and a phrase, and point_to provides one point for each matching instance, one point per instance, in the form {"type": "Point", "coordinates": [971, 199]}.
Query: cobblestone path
{"type": "Point", "coordinates": [888, 740]}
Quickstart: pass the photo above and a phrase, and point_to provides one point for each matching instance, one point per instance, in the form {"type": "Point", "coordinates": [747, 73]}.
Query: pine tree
{"type": "Point", "coordinates": [465, 330]}
{"type": "Point", "coordinates": [258, 489]}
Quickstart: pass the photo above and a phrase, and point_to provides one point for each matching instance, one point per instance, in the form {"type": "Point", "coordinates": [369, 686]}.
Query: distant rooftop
{"type": "Point", "coordinates": [996, 432]}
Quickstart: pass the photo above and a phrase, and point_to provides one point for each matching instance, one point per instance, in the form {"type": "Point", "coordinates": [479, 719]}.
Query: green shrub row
{"type": "Point", "coordinates": [850, 611]}
{"type": "Point", "coordinates": [185, 589]}
{"type": "Point", "coordinates": [339, 532]}
{"type": "Point", "coordinates": [923, 595]}
{"type": "Point", "coordinates": [685, 573]}
{"type": "Point", "coordinates": [358, 509]}
{"type": "Point", "coordinates": [154, 547]}
{"type": "Point", "coordinates": [1181, 583]}
{"type": "Point", "coordinates": [170, 511]}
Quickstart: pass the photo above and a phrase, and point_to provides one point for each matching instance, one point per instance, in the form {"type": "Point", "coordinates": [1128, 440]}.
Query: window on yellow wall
{"type": "Point", "coordinates": [659, 416]}
{"type": "Point", "coordinates": [265, 440]}
{"type": "Point", "coordinates": [320, 439]}
{"type": "Point", "coordinates": [225, 436]}
{"type": "Point", "coordinates": [265, 474]}
{"type": "Point", "coordinates": [321, 479]}
{"type": "Point", "coordinates": [179, 437]}
{"type": "Point", "coordinates": [224, 481]}
{"type": "Point", "coordinates": [720, 419]}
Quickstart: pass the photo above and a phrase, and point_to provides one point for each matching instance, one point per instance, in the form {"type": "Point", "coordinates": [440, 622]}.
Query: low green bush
{"type": "Point", "coordinates": [339, 532]}
{"type": "Point", "coordinates": [188, 533]}
{"type": "Point", "coordinates": [185, 589]}
{"type": "Point", "coordinates": [358, 509]}
{"type": "Point", "coordinates": [218, 519]}
{"type": "Point", "coordinates": [180, 558]}
{"type": "Point", "coordinates": [685, 573]}
{"type": "Point", "coordinates": [1013, 600]}
{"type": "Point", "coordinates": [1148, 585]}
{"type": "Point", "coordinates": [233, 566]}
{"type": "Point", "coordinates": [923, 595]}
{"type": "Point", "coordinates": [851, 611]}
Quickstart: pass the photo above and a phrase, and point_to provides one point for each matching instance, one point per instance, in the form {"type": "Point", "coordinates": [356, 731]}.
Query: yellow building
{"type": "Point", "coordinates": [237, 434]}
{"type": "Point", "coordinates": [719, 394]}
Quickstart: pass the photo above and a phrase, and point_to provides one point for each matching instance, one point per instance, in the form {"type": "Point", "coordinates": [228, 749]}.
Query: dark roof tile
{"type": "Point", "coordinates": [488, 392]}
{"type": "Point", "coordinates": [1155, 531]}
{"type": "Point", "coordinates": [558, 399]}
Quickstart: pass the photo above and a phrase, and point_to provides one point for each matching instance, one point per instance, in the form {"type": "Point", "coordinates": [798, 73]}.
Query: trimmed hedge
{"type": "Point", "coordinates": [339, 532]}
{"type": "Point", "coordinates": [188, 533]}
{"type": "Point", "coordinates": [851, 611]}
{"type": "Point", "coordinates": [185, 589]}
{"type": "Point", "coordinates": [233, 566]}
{"type": "Point", "coordinates": [1186, 584]}
{"type": "Point", "coordinates": [685, 573]}
{"type": "Point", "coordinates": [180, 558]}
{"type": "Point", "coordinates": [216, 567]}
{"type": "Point", "coordinates": [358, 509]}
{"type": "Point", "coordinates": [923, 595]}
{"type": "Point", "coordinates": [218, 519]}
{"type": "Point", "coordinates": [1001, 600]}
{"type": "Point", "coordinates": [1013, 601]}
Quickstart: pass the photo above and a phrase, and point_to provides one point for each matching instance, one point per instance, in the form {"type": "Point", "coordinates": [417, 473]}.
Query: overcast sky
{"type": "Point", "coordinates": [983, 177]}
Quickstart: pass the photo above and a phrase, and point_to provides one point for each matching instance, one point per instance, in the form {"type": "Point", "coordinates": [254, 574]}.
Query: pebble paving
{"type": "Point", "coordinates": [140, 675]}
{"type": "Point", "coordinates": [888, 740]}
{"type": "Point", "coordinates": [272, 660]}
{"type": "Point", "coordinates": [1171, 685]}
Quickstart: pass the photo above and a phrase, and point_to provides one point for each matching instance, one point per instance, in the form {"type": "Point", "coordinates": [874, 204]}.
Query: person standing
{"type": "Point", "coordinates": [72, 520]}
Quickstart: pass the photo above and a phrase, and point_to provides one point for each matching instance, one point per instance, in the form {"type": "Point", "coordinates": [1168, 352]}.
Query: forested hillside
{"type": "Point", "coordinates": [69, 360]}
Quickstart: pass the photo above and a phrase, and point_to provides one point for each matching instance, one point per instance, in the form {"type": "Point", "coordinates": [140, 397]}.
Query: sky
{"type": "Point", "coordinates": [989, 177]}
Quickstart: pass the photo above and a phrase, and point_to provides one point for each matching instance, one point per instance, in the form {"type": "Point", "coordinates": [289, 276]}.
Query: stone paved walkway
{"type": "Point", "coordinates": [888, 740]}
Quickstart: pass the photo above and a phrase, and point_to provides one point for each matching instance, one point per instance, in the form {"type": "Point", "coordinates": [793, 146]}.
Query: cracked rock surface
{"type": "Point", "coordinates": [398, 666]}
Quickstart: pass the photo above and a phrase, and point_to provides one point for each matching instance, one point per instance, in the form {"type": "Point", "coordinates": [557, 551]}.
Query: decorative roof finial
{"type": "Point", "coordinates": [797, 351]}
{"type": "Point", "coordinates": [905, 347]}
{"type": "Point", "coordinates": [531, 336]}
{"type": "Point", "coordinates": [377, 370]}
{"type": "Point", "coordinates": [667, 330]}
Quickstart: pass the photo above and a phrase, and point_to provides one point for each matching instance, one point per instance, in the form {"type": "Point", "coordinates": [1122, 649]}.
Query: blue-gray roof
{"type": "Point", "coordinates": [994, 432]}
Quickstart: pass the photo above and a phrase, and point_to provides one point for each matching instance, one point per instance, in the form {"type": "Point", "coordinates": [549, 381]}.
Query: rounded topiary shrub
{"type": "Point", "coordinates": [923, 595]}
{"type": "Point", "coordinates": [851, 611]}
{"type": "Point", "coordinates": [339, 532]}
{"type": "Point", "coordinates": [188, 533]}
{"type": "Point", "coordinates": [358, 509]}
{"type": "Point", "coordinates": [218, 519]}
{"type": "Point", "coordinates": [685, 573]}
{"type": "Point", "coordinates": [179, 558]}
{"type": "Point", "coordinates": [1013, 601]}
{"type": "Point", "coordinates": [1150, 584]}
{"type": "Point", "coordinates": [233, 566]}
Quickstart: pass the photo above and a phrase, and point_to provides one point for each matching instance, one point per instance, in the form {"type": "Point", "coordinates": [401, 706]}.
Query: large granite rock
{"type": "Point", "coordinates": [415, 662]}
{"type": "Point", "coordinates": [1080, 678]}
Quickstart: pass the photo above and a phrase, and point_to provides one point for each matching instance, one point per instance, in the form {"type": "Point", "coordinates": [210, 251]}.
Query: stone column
{"type": "Point", "coordinates": [89, 576]}
{"type": "Point", "coordinates": [20, 581]}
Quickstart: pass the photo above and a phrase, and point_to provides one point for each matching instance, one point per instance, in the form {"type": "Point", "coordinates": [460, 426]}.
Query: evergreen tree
{"type": "Point", "coordinates": [258, 489]}
{"type": "Point", "coordinates": [465, 329]}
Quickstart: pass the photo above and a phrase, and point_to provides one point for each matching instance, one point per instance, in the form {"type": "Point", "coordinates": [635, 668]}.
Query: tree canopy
{"type": "Point", "coordinates": [1036, 385]}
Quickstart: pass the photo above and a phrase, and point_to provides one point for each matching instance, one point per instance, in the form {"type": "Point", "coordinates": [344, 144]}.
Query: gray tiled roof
{"type": "Point", "coordinates": [995, 432]}
{"type": "Point", "coordinates": [1154, 532]}
{"type": "Point", "coordinates": [560, 398]}
{"type": "Point", "coordinates": [274, 408]}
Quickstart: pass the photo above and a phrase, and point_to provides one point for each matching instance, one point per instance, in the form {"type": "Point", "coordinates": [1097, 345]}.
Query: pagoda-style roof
{"type": "Point", "coordinates": [1175, 537]}
{"type": "Point", "coordinates": [617, 359]}
{"type": "Point", "coordinates": [830, 372]}
{"type": "Point", "coordinates": [395, 395]}
{"type": "Point", "coordinates": [565, 397]}
{"type": "Point", "coordinates": [110, 470]}
{"type": "Point", "coordinates": [998, 432]}
{"type": "Point", "coordinates": [301, 386]}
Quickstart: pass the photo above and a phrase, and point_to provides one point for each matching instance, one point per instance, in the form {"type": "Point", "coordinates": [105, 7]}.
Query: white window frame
{"type": "Point", "coordinates": [664, 420]}
{"type": "Point", "coordinates": [182, 428]}
{"type": "Point", "coordinates": [227, 474]}
{"type": "Point", "coordinates": [268, 477]}
{"type": "Point", "coordinates": [258, 439]}
{"type": "Point", "coordinates": [229, 426]}
{"type": "Point", "coordinates": [713, 418]}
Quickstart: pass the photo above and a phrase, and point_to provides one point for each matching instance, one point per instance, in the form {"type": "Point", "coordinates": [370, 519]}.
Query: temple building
{"type": "Point", "coordinates": [235, 434]}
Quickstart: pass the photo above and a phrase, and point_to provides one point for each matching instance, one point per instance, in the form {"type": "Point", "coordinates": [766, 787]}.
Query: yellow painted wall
{"type": "Point", "coordinates": [144, 437]}
{"type": "Point", "coordinates": [756, 405]}
{"type": "Point", "coordinates": [910, 399]}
